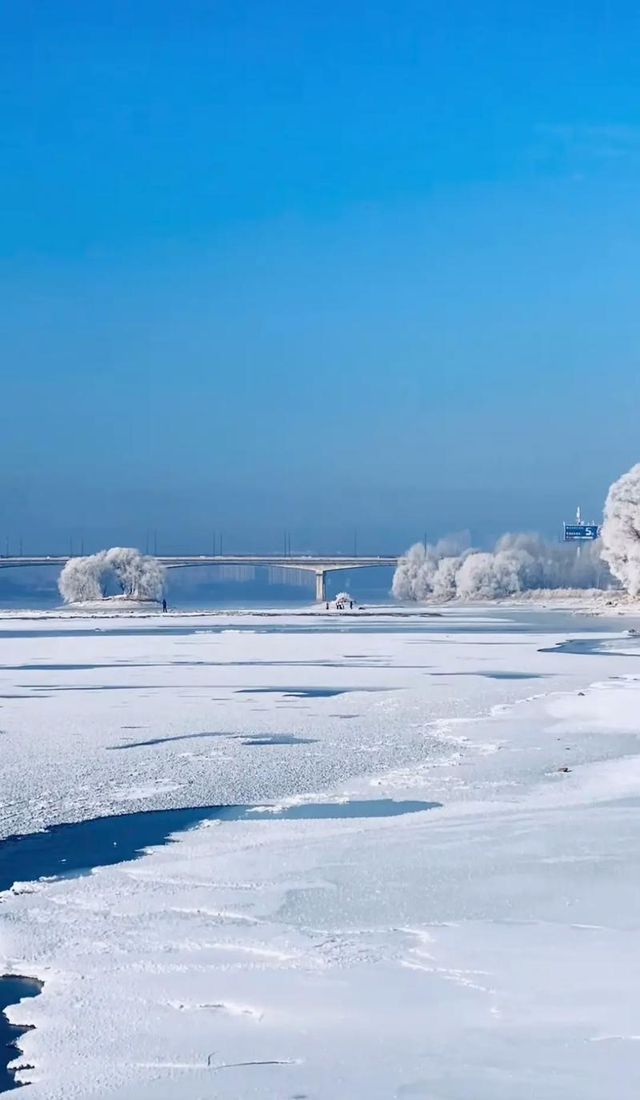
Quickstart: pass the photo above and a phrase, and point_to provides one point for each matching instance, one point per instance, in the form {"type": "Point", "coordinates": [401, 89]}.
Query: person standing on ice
{"type": "Point", "coordinates": [164, 605]}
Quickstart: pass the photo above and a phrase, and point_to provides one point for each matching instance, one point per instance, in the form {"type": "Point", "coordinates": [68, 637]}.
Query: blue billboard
{"type": "Point", "coordinates": [580, 532]}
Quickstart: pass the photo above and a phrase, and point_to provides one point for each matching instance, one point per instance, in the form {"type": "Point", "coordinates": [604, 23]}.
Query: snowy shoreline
{"type": "Point", "coordinates": [591, 601]}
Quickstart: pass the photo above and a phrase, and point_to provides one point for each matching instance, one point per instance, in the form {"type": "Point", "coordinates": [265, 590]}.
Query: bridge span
{"type": "Point", "coordinates": [319, 565]}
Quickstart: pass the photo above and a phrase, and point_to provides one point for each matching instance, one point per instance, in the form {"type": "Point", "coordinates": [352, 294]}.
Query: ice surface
{"type": "Point", "coordinates": [483, 950]}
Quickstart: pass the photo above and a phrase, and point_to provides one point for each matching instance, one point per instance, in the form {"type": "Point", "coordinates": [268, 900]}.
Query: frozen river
{"type": "Point", "coordinates": [413, 873]}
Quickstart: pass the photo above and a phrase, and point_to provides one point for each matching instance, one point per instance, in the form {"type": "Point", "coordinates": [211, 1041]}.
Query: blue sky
{"type": "Point", "coordinates": [316, 266]}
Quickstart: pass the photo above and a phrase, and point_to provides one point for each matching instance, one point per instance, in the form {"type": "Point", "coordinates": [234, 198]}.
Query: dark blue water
{"type": "Point", "coordinates": [12, 991]}
{"type": "Point", "coordinates": [64, 850]}
{"type": "Point", "coordinates": [315, 811]}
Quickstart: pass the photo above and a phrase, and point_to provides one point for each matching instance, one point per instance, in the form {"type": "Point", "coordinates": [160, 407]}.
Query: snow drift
{"type": "Point", "coordinates": [121, 569]}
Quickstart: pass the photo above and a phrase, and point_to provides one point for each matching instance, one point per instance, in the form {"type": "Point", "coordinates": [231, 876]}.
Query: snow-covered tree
{"type": "Point", "coordinates": [621, 530]}
{"type": "Point", "coordinates": [517, 563]}
{"type": "Point", "coordinates": [122, 568]}
{"type": "Point", "coordinates": [138, 576]}
{"type": "Point", "coordinates": [85, 578]}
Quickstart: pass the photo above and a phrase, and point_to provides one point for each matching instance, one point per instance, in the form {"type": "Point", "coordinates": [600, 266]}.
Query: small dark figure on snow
{"type": "Point", "coordinates": [164, 605]}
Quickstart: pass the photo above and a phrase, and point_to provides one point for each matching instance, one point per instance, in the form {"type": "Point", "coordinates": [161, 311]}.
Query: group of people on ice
{"type": "Point", "coordinates": [342, 601]}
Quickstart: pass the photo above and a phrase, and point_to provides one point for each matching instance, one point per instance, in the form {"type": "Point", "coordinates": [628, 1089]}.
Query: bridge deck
{"type": "Point", "coordinates": [312, 562]}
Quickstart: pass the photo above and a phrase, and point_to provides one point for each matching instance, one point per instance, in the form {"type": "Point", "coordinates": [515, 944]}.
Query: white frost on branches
{"type": "Point", "coordinates": [517, 563]}
{"type": "Point", "coordinates": [121, 569]}
{"type": "Point", "coordinates": [139, 576]}
{"type": "Point", "coordinates": [621, 530]}
{"type": "Point", "coordinates": [84, 579]}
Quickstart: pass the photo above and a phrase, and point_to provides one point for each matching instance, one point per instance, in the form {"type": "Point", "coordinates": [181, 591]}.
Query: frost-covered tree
{"type": "Point", "coordinates": [84, 578]}
{"type": "Point", "coordinates": [518, 563]}
{"type": "Point", "coordinates": [121, 568]}
{"type": "Point", "coordinates": [621, 530]}
{"type": "Point", "coordinates": [444, 578]}
{"type": "Point", "coordinates": [489, 576]}
{"type": "Point", "coordinates": [138, 576]}
{"type": "Point", "coordinates": [422, 574]}
{"type": "Point", "coordinates": [410, 567]}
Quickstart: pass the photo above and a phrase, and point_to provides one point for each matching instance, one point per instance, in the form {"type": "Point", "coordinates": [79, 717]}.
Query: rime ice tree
{"type": "Point", "coordinates": [518, 563]}
{"type": "Point", "coordinates": [84, 579]}
{"type": "Point", "coordinates": [489, 576]}
{"type": "Point", "coordinates": [135, 575]}
{"type": "Point", "coordinates": [621, 530]}
{"type": "Point", "coordinates": [408, 570]}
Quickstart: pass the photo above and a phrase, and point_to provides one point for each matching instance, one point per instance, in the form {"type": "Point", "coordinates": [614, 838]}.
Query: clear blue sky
{"type": "Point", "coordinates": [315, 265]}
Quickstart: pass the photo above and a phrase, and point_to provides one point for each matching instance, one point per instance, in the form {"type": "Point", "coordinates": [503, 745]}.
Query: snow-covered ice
{"type": "Point", "coordinates": [485, 948]}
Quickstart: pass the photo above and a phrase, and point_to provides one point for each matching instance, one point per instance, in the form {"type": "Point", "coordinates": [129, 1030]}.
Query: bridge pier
{"type": "Point", "coordinates": [321, 586]}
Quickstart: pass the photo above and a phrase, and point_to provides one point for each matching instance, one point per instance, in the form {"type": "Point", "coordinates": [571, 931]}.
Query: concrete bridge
{"type": "Point", "coordinates": [319, 565]}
